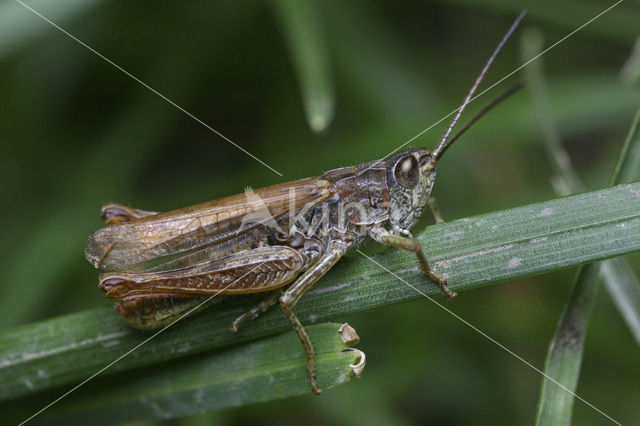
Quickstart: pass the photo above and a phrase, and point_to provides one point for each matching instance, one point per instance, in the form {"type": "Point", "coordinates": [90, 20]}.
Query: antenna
{"type": "Point", "coordinates": [444, 144]}
{"type": "Point", "coordinates": [504, 95]}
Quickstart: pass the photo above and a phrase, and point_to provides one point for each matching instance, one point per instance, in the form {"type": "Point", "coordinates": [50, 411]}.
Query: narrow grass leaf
{"type": "Point", "coordinates": [303, 29]}
{"type": "Point", "coordinates": [555, 405]}
{"type": "Point", "coordinates": [630, 73]}
{"type": "Point", "coordinates": [264, 370]}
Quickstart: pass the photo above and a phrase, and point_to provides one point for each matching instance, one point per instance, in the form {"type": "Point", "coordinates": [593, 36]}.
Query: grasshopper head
{"type": "Point", "coordinates": [411, 172]}
{"type": "Point", "coordinates": [410, 177]}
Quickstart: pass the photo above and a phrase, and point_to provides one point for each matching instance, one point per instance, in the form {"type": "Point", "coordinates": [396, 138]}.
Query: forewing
{"type": "Point", "coordinates": [249, 271]}
{"type": "Point", "coordinates": [204, 232]}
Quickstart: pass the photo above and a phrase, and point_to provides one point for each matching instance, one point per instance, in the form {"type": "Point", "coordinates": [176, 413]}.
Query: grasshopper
{"type": "Point", "coordinates": [278, 240]}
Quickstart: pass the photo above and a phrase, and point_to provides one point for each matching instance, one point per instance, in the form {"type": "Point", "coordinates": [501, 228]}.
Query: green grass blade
{"type": "Point", "coordinates": [566, 180]}
{"type": "Point", "coordinates": [471, 252]}
{"type": "Point", "coordinates": [564, 358]}
{"type": "Point", "coordinates": [630, 73]}
{"type": "Point", "coordinates": [623, 287]}
{"type": "Point", "coordinates": [302, 26]}
{"type": "Point", "coordinates": [627, 166]}
{"type": "Point", "coordinates": [264, 370]}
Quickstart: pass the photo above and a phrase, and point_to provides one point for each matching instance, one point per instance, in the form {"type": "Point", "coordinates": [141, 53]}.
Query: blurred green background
{"type": "Point", "coordinates": [76, 132]}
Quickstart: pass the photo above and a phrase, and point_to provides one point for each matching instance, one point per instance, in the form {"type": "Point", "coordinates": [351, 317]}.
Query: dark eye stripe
{"type": "Point", "coordinates": [407, 172]}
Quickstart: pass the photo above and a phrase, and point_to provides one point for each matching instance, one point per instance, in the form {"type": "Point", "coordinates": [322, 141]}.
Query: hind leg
{"type": "Point", "coordinates": [295, 292]}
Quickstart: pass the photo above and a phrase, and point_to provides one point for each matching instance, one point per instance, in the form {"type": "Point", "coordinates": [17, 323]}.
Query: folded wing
{"type": "Point", "coordinates": [204, 232]}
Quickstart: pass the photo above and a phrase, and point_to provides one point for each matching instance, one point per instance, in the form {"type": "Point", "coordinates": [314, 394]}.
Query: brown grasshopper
{"type": "Point", "coordinates": [163, 265]}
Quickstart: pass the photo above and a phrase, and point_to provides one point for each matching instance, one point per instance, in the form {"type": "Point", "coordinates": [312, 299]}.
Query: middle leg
{"type": "Point", "coordinates": [263, 306]}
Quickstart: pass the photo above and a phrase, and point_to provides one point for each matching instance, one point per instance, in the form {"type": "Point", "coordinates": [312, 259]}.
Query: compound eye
{"type": "Point", "coordinates": [407, 172]}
